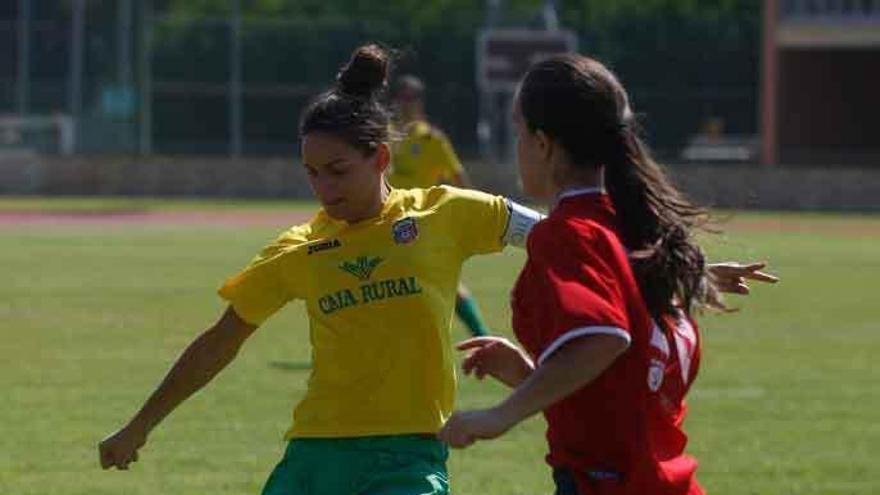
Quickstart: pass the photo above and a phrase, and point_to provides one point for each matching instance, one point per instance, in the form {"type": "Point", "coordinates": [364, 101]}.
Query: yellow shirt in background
{"type": "Point", "coordinates": [379, 296]}
{"type": "Point", "coordinates": [423, 158]}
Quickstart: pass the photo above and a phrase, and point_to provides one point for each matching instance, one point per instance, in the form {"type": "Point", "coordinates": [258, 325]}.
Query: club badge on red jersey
{"type": "Point", "coordinates": [659, 358]}
{"type": "Point", "coordinates": [405, 231]}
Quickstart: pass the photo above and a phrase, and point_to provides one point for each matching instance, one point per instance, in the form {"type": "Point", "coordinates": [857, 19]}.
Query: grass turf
{"type": "Point", "coordinates": [93, 316]}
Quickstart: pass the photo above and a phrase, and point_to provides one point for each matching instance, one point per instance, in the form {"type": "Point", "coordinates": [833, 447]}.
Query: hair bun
{"type": "Point", "coordinates": [366, 72]}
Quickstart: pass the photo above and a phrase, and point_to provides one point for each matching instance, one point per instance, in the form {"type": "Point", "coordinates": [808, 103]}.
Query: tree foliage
{"type": "Point", "coordinates": [421, 14]}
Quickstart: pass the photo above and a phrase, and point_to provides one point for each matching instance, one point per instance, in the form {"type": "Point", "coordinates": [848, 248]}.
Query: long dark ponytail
{"type": "Point", "coordinates": [580, 103]}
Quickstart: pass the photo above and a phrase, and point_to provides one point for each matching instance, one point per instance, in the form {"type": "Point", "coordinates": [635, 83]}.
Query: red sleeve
{"type": "Point", "coordinates": [580, 271]}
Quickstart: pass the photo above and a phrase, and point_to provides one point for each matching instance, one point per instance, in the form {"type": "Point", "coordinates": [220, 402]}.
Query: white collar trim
{"type": "Point", "coordinates": [578, 192]}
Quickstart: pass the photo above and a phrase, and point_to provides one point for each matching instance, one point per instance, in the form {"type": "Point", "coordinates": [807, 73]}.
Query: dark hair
{"type": "Point", "coordinates": [352, 110]}
{"type": "Point", "coordinates": [579, 103]}
{"type": "Point", "coordinates": [408, 83]}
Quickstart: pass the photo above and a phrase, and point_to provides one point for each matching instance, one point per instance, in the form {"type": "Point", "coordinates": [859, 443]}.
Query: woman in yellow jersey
{"type": "Point", "coordinates": [377, 269]}
{"type": "Point", "coordinates": [424, 157]}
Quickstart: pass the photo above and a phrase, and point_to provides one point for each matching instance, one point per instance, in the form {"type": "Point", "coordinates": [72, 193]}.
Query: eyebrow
{"type": "Point", "coordinates": [326, 164]}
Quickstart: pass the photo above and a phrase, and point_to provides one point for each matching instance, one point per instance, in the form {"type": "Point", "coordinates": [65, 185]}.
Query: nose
{"type": "Point", "coordinates": [326, 188]}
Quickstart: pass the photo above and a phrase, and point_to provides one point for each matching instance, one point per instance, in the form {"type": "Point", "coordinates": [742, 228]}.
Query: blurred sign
{"type": "Point", "coordinates": [118, 101]}
{"type": "Point", "coordinates": [504, 56]}
{"type": "Point", "coordinates": [721, 149]}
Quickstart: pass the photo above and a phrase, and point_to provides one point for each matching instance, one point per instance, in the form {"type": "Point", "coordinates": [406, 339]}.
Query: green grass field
{"type": "Point", "coordinates": [92, 316]}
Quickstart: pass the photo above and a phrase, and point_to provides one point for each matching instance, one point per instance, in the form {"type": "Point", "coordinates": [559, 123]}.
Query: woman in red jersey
{"type": "Point", "coordinates": [602, 307]}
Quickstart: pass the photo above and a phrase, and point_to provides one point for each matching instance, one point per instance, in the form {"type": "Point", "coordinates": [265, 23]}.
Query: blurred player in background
{"type": "Point", "coordinates": [424, 157]}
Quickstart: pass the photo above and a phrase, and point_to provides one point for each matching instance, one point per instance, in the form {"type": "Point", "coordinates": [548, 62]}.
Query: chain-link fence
{"type": "Point", "coordinates": [142, 77]}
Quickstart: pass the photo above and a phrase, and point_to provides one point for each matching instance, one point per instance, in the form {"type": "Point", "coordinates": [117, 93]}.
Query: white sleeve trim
{"type": "Point", "coordinates": [519, 224]}
{"type": "Point", "coordinates": [580, 332]}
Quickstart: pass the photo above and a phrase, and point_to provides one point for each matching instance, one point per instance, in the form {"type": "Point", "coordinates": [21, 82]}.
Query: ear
{"type": "Point", "coordinates": [383, 157]}
{"type": "Point", "coordinates": [545, 145]}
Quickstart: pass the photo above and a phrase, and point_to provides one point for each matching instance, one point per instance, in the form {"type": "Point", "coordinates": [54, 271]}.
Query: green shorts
{"type": "Point", "coordinates": [383, 465]}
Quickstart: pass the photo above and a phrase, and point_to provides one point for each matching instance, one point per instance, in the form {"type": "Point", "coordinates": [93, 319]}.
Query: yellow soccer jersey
{"type": "Point", "coordinates": [380, 296]}
{"type": "Point", "coordinates": [424, 158]}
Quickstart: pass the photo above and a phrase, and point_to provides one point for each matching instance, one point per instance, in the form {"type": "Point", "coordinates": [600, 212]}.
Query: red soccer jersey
{"type": "Point", "coordinates": [621, 433]}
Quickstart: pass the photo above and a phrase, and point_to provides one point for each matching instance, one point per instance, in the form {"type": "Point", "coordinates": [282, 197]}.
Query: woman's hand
{"type": "Point", "coordinates": [466, 427]}
{"type": "Point", "coordinates": [496, 357]}
{"type": "Point", "coordinates": [121, 448]}
{"type": "Point", "coordinates": [731, 276]}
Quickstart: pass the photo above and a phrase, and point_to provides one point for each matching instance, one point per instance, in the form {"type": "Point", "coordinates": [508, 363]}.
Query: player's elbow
{"type": "Point", "coordinates": [224, 339]}
{"type": "Point", "coordinates": [611, 345]}
{"type": "Point", "coordinates": [591, 350]}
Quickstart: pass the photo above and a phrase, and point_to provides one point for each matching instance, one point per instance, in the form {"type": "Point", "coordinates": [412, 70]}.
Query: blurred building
{"type": "Point", "coordinates": [821, 82]}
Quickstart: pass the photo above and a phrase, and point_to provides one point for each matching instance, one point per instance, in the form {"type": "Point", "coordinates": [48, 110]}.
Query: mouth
{"type": "Point", "coordinates": [334, 202]}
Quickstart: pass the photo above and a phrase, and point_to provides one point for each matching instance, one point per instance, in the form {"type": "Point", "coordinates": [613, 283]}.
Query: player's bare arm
{"type": "Point", "coordinates": [575, 364]}
{"type": "Point", "coordinates": [202, 360]}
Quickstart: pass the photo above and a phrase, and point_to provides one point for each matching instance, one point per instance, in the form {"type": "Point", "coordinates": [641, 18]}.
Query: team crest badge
{"type": "Point", "coordinates": [405, 231]}
{"type": "Point", "coordinates": [655, 374]}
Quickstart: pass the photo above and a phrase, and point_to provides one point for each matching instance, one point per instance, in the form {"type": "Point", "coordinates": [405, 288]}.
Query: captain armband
{"type": "Point", "coordinates": [520, 223]}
